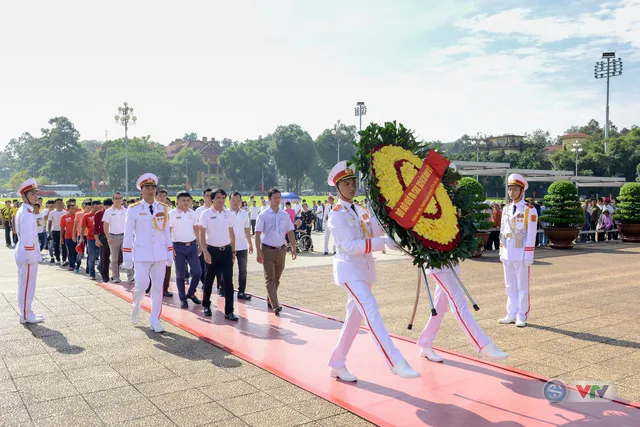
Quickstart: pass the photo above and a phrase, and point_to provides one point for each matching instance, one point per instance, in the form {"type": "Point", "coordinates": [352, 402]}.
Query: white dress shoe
{"type": "Point", "coordinates": [520, 321]}
{"type": "Point", "coordinates": [490, 351]}
{"type": "Point", "coordinates": [343, 374]}
{"type": "Point", "coordinates": [427, 352]}
{"type": "Point", "coordinates": [403, 370]}
{"type": "Point", "coordinates": [157, 328]}
{"type": "Point", "coordinates": [507, 319]}
{"type": "Point", "coordinates": [135, 315]}
{"type": "Point", "coordinates": [35, 319]}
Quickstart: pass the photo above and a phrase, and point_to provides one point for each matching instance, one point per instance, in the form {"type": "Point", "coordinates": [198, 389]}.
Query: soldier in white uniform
{"type": "Point", "coordinates": [147, 244]}
{"type": "Point", "coordinates": [356, 237]}
{"type": "Point", "coordinates": [517, 244]}
{"type": "Point", "coordinates": [448, 290]}
{"type": "Point", "coordinates": [327, 232]}
{"type": "Point", "coordinates": [27, 251]}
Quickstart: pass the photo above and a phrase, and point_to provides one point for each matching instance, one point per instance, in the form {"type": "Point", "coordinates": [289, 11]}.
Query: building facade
{"type": "Point", "coordinates": [211, 151]}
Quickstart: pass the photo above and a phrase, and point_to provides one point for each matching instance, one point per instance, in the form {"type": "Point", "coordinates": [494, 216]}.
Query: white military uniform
{"type": "Point", "coordinates": [147, 244]}
{"type": "Point", "coordinates": [327, 231]}
{"type": "Point", "coordinates": [448, 290]}
{"type": "Point", "coordinates": [356, 237]}
{"type": "Point", "coordinates": [27, 254]}
{"type": "Point", "coordinates": [517, 245]}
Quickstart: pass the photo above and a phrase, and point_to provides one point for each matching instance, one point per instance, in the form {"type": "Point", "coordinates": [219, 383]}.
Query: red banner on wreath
{"type": "Point", "coordinates": [420, 191]}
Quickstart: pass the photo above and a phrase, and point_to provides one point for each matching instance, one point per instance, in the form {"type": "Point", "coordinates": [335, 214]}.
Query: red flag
{"type": "Point", "coordinates": [263, 188]}
{"type": "Point", "coordinates": [188, 185]}
{"type": "Point", "coordinates": [93, 186]}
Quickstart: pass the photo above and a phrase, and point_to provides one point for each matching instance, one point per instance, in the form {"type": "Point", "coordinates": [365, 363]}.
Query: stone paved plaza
{"type": "Point", "coordinates": [86, 365]}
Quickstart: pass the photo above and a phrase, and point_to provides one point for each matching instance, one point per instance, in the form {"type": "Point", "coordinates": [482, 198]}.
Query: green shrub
{"type": "Point", "coordinates": [475, 191]}
{"type": "Point", "coordinates": [628, 210]}
{"type": "Point", "coordinates": [563, 206]}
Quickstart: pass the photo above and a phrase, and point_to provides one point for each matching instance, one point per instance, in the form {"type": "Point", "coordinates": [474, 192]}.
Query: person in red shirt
{"type": "Point", "coordinates": [66, 231]}
{"type": "Point", "coordinates": [87, 226]}
{"type": "Point", "coordinates": [101, 241]}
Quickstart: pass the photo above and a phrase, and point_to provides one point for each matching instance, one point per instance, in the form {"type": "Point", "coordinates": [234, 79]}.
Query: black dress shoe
{"type": "Point", "coordinates": [231, 316]}
{"type": "Point", "coordinates": [221, 292]}
{"type": "Point", "coordinates": [277, 311]}
{"type": "Point", "coordinates": [184, 304]}
{"type": "Point", "coordinates": [242, 295]}
{"type": "Point", "coordinates": [326, 253]}
{"type": "Point", "coordinates": [195, 299]}
{"type": "Point", "coordinates": [207, 311]}
{"type": "Point", "coordinates": [148, 290]}
{"type": "Point", "coordinates": [167, 294]}
{"type": "Point", "coordinates": [269, 306]}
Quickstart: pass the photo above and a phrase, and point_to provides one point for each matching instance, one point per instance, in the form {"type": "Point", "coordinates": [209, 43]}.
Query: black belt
{"type": "Point", "coordinates": [112, 234]}
{"type": "Point", "coordinates": [273, 247]}
{"type": "Point", "coordinates": [184, 243]}
{"type": "Point", "coordinates": [220, 248]}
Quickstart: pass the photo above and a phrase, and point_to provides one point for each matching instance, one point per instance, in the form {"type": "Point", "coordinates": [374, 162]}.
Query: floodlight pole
{"type": "Point", "coordinates": [611, 68]}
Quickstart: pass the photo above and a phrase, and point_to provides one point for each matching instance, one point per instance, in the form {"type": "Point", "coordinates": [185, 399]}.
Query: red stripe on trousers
{"type": "Point", "coordinates": [26, 288]}
{"type": "Point", "coordinates": [370, 327]}
{"type": "Point", "coordinates": [526, 315]}
{"type": "Point", "coordinates": [457, 311]}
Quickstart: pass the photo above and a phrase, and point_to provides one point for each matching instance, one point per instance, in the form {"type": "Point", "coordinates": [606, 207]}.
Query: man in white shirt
{"type": "Point", "coordinates": [264, 206]}
{"type": "Point", "coordinates": [297, 207]}
{"type": "Point", "coordinates": [272, 225]}
{"type": "Point", "coordinates": [54, 229]}
{"type": "Point", "coordinates": [184, 229]}
{"type": "Point", "coordinates": [254, 211]}
{"type": "Point", "coordinates": [216, 235]}
{"type": "Point", "coordinates": [319, 211]}
{"type": "Point", "coordinates": [42, 235]}
{"type": "Point", "coordinates": [49, 208]}
{"type": "Point", "coordinates": [327, 232]}
{"type": "Point", "coordinates": [244, 246]}
{"type": "Point", "coordinates": [113, 220]}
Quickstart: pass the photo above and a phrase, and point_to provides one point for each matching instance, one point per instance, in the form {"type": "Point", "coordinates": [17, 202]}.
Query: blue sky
{"type": "Point", "coordinates": [239, 69]}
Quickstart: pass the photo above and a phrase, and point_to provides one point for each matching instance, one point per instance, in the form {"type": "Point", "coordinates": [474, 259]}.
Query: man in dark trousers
{"type": "Point", "coordinates": [101, 241]}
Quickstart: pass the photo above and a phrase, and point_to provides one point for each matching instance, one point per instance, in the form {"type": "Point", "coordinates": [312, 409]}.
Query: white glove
{"type": "Point", "coordinates": [528, 262]}
{"type": "Point", "coordinates": [169, 263]}
{"type": "Point", "coordinates": [127, 265]}
{"type": "Point", "coordinates": [392, 244]}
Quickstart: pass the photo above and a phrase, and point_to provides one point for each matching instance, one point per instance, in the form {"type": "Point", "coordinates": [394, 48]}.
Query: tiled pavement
{"type": "Point", "coordinates": [87, 366]}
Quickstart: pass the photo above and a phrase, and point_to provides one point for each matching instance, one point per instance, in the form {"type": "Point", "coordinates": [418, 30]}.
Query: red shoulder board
{"type": "Point", "coordinates": [337, 207]}
{"type": "Point", "coordinates": [530, 205]}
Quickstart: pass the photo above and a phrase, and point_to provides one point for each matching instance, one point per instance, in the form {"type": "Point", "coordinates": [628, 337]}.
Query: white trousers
{"type": "Point", "coordinates": [155, 271]}
{"type": "Point", "coordinates": [362, 304]}
{"type": "Point", "coordinates": [26, 288]}
{"type": "Point", "coordinates": [448, 290]}
{"type": "Point", "coordinates": [516, 279]}
{"type": "Point", "coordinates": [327, 234]}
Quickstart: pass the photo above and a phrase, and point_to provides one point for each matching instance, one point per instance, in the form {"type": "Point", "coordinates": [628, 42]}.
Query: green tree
{"type": "Point", "coordinates": [317, 175]}
{"type": "Point", "coordinates": [538, 138]}
{"type": "Point", "coordinates": [638, 173]}
{"type": "Point", "coordinates": [293, 148]}
{"type": "Point", "coordinates": [25, 153]}
{"type": "Point", "coordinates": [66, 159]}
{"type": "Point", "coordinates": [188, 161]}
{"type": "Point", "coordinates": [190, 136]}
{"type": "Point", "coordinates": [246, 163]}
{"type": "Point", "coordinates": [18, 178]}
{"type": "Point", "coordinates": [532, 158]}
{"type": "Point", "coordinates": [326, 145]}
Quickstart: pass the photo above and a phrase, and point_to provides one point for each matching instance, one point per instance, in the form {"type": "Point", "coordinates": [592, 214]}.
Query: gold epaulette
{"type": "Point", "coordinates": [337, 207]}
{"type": "Point", "coordinates": [133, 204]}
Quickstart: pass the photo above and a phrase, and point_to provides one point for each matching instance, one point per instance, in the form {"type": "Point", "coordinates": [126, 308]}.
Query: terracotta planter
{"type": "Point", "coordinates": [484, 238]}
{"type": "Point", "coordinates": [629, 232]}
{"type": "Point", "coordinates": [561, 238]}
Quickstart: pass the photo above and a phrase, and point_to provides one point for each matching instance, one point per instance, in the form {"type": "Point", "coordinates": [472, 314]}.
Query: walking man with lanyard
{"type": "Point", "coordinates": [27, 251]}
{"type": "Point", "coordinates": [356, 237]}
{"type": "Point", "coordinates": [517, 244]}
{"type": "Point", "coordinates": [147, 244]}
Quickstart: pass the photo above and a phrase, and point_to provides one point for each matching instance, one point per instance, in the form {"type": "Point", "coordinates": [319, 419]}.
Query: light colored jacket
{"type": "Point", "coordinates": [28, 246]}
{"type": "Point", "coordinates": [356, 236]}
{"type": "Point", "coordinates": [147, 237]}
{"type": "Point", "coordinates": [524, 221]}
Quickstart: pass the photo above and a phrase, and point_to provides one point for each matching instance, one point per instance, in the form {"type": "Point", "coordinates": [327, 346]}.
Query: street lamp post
{"type": "Point", "coordinates": [577, 148]}
{"type": "Point", "coordinates": [338, 129]}
{"type": "Point", "coordinates": [478, 141]}
{"type": "Point", "coordinates": [126, 117]}
{"type": "Point", "coordinates": [611, 68]}
{"type": "Point", "coordinates": [360, 110]}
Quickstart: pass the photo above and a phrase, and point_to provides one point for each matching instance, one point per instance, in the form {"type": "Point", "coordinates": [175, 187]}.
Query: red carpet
{"type": "Point", "coordinates": [462, 391]}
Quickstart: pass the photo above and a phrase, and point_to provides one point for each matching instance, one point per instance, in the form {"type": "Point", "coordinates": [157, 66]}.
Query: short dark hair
{"type": "Point", "coordinates": [272, 192]}
{"type": "Point", "coordinates": [59, 199]}
{"type": "Point", "coordinates": [235, 193]}
{"type": "Point", "coordinates": [204, 193]}
{"type": "Point", "coordinates": [96, 202]}
{"type": "Point", "coordinates": [162, 190]}
{"type": "Point", "coordinates": [108, 202]}
{"type": "Point", "coordinates": [117, 192]}
{"type": "Point", "coordinates": [36, 205]}
{"type": "Point", "coordinates": [183, 194]}
{"type": "Point", "coordinates": [71, 200]}
{"type": "Point", "coordinates": [217, 191]}
{"type": "Point", "coordinates": [49, 202]}
{"type": "Point", "coordinates": [287, 204]}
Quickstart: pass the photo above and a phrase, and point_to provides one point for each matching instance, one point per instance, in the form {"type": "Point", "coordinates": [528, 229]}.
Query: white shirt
{"type": "Point", "coordinates": [254, 212]}
{"type": "Point", "coordinates": [200, 210]}
{"type": "Point", "coordinates": [115, 218]}
{"type": "Point", "coordinates": [264, 207]}
{"type": "Point", "coordinates": [54, 217]}
{"type": "Point", "coordinates": [217, 225]}
{"type": "Point", "coordinates": [40, 222]}
{"type": "Point", "coordinates": [45, 212]}
{"type": "Point", "coordinates": [297, 208]}
{"type": "Point", "coordinates": [241, 222]}
{"type": "Point", "coordinates": [182, 224]}
{"type": "Point", "coordinates": [273, 226]}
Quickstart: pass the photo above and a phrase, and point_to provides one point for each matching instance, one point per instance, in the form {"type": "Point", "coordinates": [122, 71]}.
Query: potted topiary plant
{"type": "Point", "coordinates": [480, 217]}
{"type": "Point", "coordinates": [627, 215]}
{"type": "Point", "coordinates": [563, 215]}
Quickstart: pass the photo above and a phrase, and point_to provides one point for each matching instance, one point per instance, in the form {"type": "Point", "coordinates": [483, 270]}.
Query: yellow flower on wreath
{"type": "Point", "coordinates": [394, 166]}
